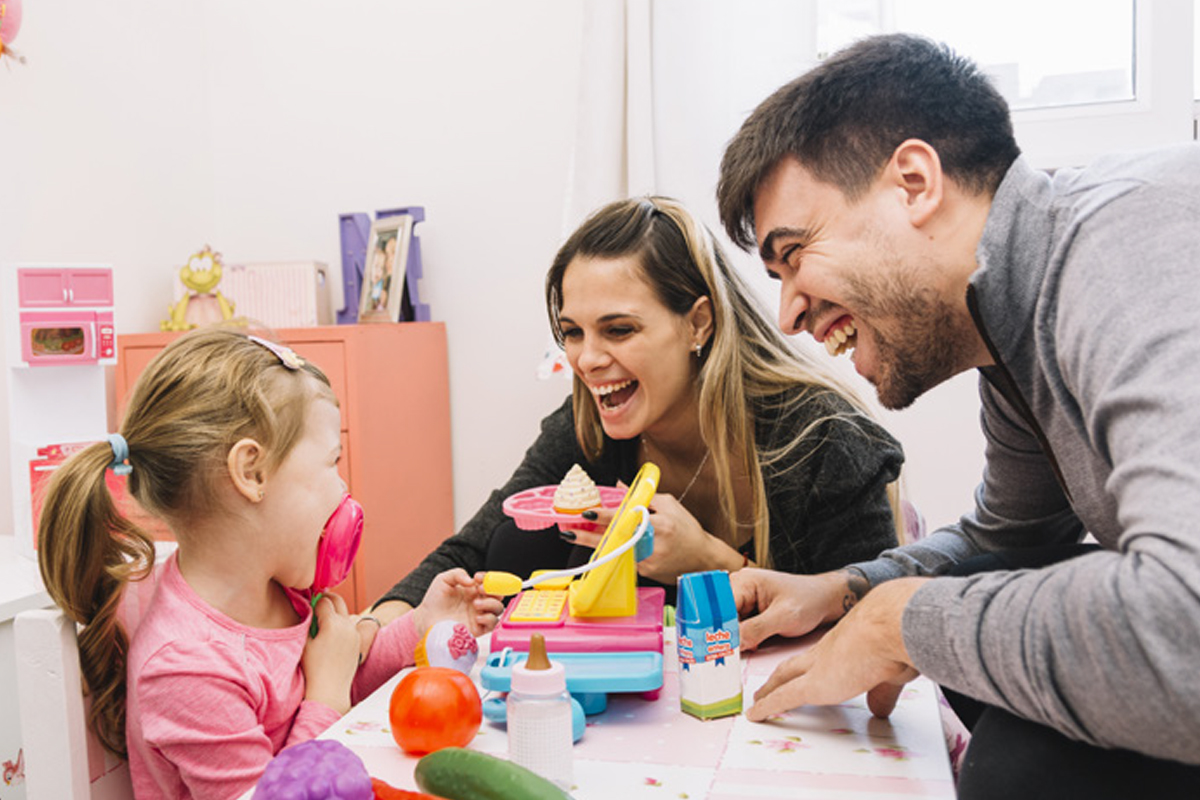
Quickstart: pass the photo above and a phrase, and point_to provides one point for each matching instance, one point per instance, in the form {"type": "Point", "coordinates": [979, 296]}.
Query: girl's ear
{"type": "Point", "coordinates": [700, 322]}
{"type": "Point", "coordinates": [245, 463]}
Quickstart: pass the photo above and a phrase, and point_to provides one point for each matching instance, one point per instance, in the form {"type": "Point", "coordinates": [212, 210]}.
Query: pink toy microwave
{"type": "Point", "coordinates": [66, 316]}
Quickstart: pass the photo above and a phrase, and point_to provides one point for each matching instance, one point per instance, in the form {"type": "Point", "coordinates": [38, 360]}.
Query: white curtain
{"type": "Point", "coordinates": [613, 154]}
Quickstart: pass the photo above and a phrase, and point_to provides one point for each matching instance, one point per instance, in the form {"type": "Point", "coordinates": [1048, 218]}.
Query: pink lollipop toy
{"type": "Point", "coordinates": [336, 550]}
{"type": "Point", "coordinates": [339, 544]}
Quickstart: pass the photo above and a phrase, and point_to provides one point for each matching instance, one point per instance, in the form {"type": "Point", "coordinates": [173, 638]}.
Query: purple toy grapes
{"type": "Point", "coordinates": [320, 769]}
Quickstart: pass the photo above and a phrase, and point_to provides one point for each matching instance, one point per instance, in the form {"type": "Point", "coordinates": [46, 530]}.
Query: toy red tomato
{"type": "Point", "coordinates": [432, 708]}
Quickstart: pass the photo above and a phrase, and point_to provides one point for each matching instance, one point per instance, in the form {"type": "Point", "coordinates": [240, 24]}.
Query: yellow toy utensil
{"type": "Point", "coordinates": [501, 584]}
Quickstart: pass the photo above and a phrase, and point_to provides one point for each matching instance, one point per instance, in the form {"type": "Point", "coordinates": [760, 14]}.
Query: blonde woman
{"type": "Point", "coordinates": [766, 457]}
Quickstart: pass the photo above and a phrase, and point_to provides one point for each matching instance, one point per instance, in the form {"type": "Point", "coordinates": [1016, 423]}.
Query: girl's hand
{"type": "Point", "coordinates": [485, 608]}
{"type": "Point", "coordinates": [331, 658]}
{"type": "Point", "coordinates": [456, 595]}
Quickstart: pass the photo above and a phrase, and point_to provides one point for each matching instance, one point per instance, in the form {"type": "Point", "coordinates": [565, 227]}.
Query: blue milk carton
{"type": "Point", "coordinates": [706, 630]}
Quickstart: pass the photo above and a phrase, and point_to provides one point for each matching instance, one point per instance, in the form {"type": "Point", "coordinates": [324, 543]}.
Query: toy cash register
{"type": "Point", "coordinates": [607, 630]}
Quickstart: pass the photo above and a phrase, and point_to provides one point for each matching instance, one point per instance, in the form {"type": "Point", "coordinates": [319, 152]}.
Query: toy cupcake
{"type": "Point", "coordinates": [576, 493]}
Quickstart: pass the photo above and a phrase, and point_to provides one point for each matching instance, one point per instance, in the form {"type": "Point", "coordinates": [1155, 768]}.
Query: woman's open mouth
{"type": "Point", "coordinates": [612, 396]}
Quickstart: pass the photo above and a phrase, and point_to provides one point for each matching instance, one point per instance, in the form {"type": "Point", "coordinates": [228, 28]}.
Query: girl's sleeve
{"type": "Point", "coordinates": [198, 710]}
{"type": "Point", "coordinates": [393, 650]}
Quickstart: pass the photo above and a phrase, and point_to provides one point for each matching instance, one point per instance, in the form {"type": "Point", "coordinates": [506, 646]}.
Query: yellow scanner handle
{"type": "Point", "coordinates": [610, 590]}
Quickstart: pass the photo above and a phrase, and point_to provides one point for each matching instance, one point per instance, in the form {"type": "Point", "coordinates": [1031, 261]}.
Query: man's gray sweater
{"type": "Point", "coordinates": [1088, 293]}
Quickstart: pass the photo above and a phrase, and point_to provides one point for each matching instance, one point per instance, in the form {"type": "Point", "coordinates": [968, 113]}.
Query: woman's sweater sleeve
{"type": "Point", "coordinates": [545, 463]}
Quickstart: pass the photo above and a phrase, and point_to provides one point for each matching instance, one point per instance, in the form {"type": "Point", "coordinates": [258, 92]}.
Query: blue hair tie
{"type": "Point", "coordinates": [120, 447]}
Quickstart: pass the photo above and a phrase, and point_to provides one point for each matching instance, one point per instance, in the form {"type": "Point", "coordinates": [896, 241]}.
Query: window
{"type": "Point", "coordinates": [1083, 77]}
{"type": "Point", "coordinates": [1031, 49]}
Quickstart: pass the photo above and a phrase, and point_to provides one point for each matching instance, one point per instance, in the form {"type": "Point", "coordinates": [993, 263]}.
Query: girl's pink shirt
{"type": "Point", "coordinates": [210, 701]}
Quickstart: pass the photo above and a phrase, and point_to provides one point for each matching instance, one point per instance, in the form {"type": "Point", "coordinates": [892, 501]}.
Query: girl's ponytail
{"type": "Point", "coordinates": [87, 552]}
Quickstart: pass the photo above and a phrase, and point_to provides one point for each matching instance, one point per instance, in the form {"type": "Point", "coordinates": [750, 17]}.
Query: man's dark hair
{"type": "Point", "coordinates": [843, 120]}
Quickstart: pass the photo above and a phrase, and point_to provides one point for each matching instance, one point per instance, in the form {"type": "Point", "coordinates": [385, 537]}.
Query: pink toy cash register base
{"type": "Point", "coordinates": [608, 630]}
{"type": "Point", "coordinates": [567, 634]}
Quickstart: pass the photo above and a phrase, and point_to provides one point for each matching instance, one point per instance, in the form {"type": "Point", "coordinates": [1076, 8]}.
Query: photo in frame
{"type": "Point", "coordinates": [383, 279]}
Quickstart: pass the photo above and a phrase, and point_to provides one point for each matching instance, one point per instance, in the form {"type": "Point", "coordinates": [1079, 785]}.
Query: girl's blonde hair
{"type": "Point", "coordinates": [746, 364]}
{"type": "Point", "coordinates": [200, 395]}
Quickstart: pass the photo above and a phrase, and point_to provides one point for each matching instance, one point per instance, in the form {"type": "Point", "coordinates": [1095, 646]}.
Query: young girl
{"type": "Point", "coordinates": [233, 441]}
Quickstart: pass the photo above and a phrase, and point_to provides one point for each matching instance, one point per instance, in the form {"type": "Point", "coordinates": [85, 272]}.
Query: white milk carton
{"type": "Point", "coordinates": [706, 628]}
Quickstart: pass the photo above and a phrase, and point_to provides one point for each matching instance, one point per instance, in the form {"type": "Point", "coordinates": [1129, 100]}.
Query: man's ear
{"type": "Point", "coordinates": [246, 464]}
{"type": "Point", "coordinates": [916, 170]}
{"type": "Point", "coordinates": [700, 321]}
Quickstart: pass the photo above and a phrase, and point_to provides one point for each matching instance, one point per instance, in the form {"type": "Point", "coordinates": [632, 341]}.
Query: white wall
{"type": "Point", "coordinates": [464, 108]}
{"type": "Point", "coordinates": [97, 161]}
{"type": "Point", "coordinates": [140, 130]}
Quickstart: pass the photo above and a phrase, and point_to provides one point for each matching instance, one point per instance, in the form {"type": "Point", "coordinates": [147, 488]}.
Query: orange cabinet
{"type": "Point", "coordinates": [393, 384]}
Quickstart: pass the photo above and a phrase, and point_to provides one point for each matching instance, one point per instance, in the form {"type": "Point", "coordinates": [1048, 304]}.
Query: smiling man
{"type": "Point", "coordinates": [885, 191]}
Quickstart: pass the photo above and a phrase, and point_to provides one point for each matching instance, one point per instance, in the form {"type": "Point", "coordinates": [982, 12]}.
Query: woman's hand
{"type": "Point", "coordinates": [681, 545]}
{"type": "Point", "coordinates": [590, 529]}
{"type": "Point", "coordinates": [454, 594]}
{"type": "Point", "coordinates": [330, 659]}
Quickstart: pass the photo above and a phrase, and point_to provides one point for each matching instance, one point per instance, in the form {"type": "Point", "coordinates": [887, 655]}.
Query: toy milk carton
{"type": "Point", "coordinates": [706, 628]}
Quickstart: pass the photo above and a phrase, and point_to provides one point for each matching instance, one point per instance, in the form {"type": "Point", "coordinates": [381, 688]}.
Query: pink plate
{"type": "Point", "coordinates": [533, 509]}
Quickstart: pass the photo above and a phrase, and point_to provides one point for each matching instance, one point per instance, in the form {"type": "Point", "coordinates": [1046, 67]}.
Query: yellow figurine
{"type": "Point", "coordinates": [202, 304]}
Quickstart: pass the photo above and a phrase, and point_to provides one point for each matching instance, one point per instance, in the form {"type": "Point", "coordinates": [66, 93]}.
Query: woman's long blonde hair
{"type": "Point", "coordinates": [746, 363]}
{"type": "Point", "coordinates": [200, 395]}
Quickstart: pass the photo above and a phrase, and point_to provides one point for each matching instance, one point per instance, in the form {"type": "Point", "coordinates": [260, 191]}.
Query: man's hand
{"type": "Point", "coordinates": [863, 653]}
{"type": "Point", "coordinates": [771, 603]}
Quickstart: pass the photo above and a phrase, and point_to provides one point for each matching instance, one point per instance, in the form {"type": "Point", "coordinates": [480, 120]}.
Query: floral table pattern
{"type": "Point", "coordinates": [640, 748]}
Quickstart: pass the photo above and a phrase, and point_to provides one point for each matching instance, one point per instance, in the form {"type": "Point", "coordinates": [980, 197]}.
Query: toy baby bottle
{"type": "Point", "coordinates": [539, 716]}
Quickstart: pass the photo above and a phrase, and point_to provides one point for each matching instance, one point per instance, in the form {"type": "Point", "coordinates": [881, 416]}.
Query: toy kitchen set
{"type": "Point", "coordinates": [60, 337]}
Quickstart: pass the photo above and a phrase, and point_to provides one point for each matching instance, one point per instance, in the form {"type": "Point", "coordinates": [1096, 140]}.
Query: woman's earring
{"type": "Point", "coordinates": [698, 348]}
{"type": "Point", "coordinates": [261, 493]}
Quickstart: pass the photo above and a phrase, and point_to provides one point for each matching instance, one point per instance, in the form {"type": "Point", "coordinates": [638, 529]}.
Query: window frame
{"type": "Point", "coordinates": [1163, 110]}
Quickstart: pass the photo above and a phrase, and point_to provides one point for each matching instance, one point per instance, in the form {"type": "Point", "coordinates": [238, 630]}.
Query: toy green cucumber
{"type": "Point", "coordinates": [460, 774]}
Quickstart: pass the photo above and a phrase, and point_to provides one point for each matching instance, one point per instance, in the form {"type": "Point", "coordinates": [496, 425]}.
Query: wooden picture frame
{"type": "Point", "coordinates": [384, 269]}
